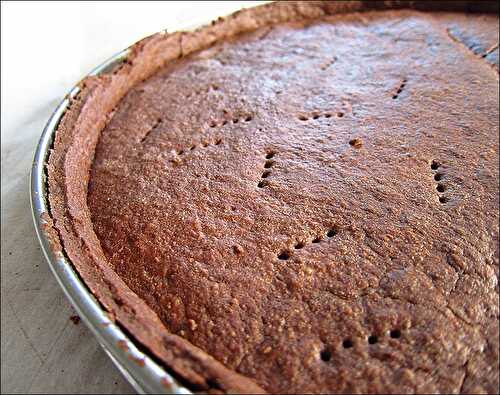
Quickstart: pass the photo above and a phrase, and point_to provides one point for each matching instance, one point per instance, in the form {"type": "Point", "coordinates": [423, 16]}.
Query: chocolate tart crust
{"type": "Point", "coordinates": [74, 163]}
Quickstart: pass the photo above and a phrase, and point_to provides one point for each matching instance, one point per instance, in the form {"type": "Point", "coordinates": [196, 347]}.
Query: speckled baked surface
{"type": "Point", "coordinates": [309, 207]}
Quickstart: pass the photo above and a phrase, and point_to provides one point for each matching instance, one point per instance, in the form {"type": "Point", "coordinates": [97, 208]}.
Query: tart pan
{"type": "Point", "coordinates": [144, 373]}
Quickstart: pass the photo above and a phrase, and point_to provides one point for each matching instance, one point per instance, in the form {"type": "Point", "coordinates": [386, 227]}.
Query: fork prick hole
{"type": "Point", "coordinates": [284, 255]}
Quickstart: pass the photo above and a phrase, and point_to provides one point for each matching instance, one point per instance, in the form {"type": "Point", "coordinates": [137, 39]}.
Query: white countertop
{"type": "Point", "coordinates": [46, 48]}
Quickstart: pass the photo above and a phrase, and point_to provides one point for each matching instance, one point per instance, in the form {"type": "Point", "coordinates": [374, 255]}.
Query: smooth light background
{"type": "Point", "coordinates": [46, 48]}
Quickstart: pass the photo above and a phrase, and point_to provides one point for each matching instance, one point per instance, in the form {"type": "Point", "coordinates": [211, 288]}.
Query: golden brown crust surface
{"type": "Point", "coordinates": [309, 207]}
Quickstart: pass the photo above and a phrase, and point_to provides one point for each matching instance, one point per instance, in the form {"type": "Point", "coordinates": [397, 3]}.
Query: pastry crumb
{"type": "Point", "coordinates": [356, 143]}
